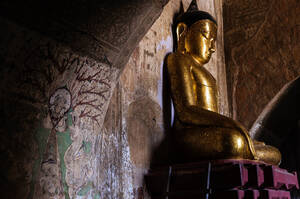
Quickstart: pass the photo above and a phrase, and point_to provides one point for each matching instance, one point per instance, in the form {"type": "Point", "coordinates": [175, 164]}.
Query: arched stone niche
{"type": "Point", "coordinates": [279, 124]}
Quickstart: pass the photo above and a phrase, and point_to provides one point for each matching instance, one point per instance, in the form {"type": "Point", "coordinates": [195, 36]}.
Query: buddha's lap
{"type": "Point", "coordinates": [211, 142]}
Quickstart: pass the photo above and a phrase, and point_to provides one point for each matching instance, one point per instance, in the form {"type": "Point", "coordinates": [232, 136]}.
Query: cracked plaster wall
{"type": "Point", "coordinates": [58, 73]}
{"type": "Point", "coordinates": [262, 52]}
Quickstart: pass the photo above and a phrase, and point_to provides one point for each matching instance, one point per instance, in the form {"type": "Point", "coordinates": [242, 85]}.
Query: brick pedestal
{"type": "Point", "coordinates": [232, 179]}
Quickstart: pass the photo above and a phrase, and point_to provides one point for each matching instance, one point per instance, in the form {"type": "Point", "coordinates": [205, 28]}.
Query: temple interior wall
{"type": "Point", "coordinates": [261, 53]}
{"type": "Point", "coordinates": [140, 88]}
{"type": "Point", "coordinates": [82, 86]}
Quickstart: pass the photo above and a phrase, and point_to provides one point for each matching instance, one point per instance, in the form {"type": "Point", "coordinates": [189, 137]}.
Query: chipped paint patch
{"type": "Point", "coordinates": [64, 141]}
{"type": "Point", "coordinates": [86, 146]}
{"type": "Point", "coordinates": [84, 190]}
{"type": "Point", "coordinates": [165, 44]}
{"type": "Point", "coordinates": [41, 137]}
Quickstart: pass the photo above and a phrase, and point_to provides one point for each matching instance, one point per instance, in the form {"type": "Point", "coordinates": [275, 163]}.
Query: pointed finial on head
{"type": "Point", "coordinates": [192, 15]}
{"type": "Point", "coordinates": [181, 9]}
{"type": "Point", "coordinates": [193, 6]}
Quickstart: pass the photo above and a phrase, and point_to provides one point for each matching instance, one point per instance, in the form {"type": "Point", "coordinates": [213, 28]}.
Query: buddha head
{"type": "Point", "coordinates": [196, 33]}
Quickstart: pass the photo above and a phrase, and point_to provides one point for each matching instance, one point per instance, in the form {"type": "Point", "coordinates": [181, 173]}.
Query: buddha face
{"type": "Point", "coordinates": [200, 40]}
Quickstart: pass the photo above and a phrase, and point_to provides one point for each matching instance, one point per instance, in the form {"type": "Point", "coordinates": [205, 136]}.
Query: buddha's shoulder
{"type": "Point", "coordinates": [178, 60]}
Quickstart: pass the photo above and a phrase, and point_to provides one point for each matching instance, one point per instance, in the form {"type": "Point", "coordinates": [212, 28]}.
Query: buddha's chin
{"type": "Point", "coordinates": [205, 60]}
{"type": "Point", "coordinates": [207, 57]}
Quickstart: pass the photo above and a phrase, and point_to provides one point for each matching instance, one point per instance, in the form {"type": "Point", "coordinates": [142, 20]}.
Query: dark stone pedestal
{"type": "Point", "coordinates": [232, 179]}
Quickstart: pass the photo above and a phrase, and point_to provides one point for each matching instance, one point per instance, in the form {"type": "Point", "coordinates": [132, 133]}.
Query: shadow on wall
{"type": "Point", "coordinates": [161, 154]}
{"type": "Point", "coordinates": [279, 125]}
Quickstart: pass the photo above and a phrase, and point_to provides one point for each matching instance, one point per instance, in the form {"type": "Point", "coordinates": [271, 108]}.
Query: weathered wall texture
{"type": "Point", "coordinates": [105, 30]}
{"type": "Point", "coordinates": [59, 64]}
{"type": "Point", "coordinates": [262, 51]}
{"type": "Point", "coordinates": [141, 86]}
{"type": "Point", "coordinates": [53, 104]}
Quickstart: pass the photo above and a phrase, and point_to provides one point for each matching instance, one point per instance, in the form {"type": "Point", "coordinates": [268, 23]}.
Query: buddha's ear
{"type": "Point", "coordinates": [180, 30]}
{"type": "Point", "coordinates": [180, 33]}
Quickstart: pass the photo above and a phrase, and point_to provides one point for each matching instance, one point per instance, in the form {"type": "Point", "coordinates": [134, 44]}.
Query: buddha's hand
{"type": "Point", "coordinates": [246, 134]}
{"type": "Point", "coordinates": [230, 123]}
{"type": "Point", "coordinates": [241, 127]}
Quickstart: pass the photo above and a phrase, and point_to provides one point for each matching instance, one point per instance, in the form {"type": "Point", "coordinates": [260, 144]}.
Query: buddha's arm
{"type": "Point", "coordinates": [185, 100]}
{"type": "Point", "coordinates": [194, 115]}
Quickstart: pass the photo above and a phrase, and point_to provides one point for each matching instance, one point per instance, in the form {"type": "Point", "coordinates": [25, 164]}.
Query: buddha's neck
{"type": "Point", "coordinates": [196, 60]}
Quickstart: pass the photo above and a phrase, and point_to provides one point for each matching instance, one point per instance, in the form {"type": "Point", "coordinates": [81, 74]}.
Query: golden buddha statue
{"type": "Point", "coordinates": [199, 131]}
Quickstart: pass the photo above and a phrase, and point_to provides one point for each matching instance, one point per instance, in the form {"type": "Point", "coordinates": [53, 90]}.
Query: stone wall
{"type": "Point", "coordinates": [53, 104]}
{"type": "Point", "coordinates": [262, 52]}
{"type": "Point", "coordinates": [141, 87]}
{"type": "Point", "coordinates": [59, 64]}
